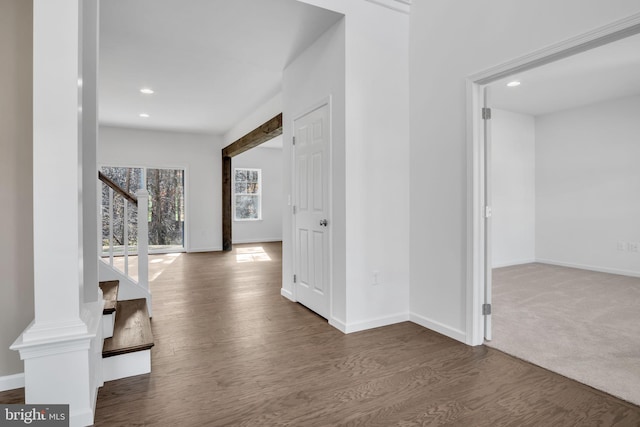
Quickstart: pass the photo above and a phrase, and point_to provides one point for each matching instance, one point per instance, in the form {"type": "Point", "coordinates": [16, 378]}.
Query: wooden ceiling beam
{"type": "Point", "coordinates": [262, 133]}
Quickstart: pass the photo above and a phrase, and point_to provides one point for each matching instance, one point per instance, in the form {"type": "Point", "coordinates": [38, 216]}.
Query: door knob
{"type": "Point", "coordinates": [323, 222]}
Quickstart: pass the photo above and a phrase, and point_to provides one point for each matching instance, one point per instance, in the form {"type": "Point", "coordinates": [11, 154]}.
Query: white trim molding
{"type": "Point", "coordinates": [52, 347]}
{"type": "Point", "coordinates": [258, 240]}
{"type": "Point", "coordinates": [12, 382]}
{"type": "Point", "coordinates": [629, 273]}
{"type": "Point", "coordinates": [475, 152]}
{"type": "Point", "coordinates": [438, 327]}
{"type": "Point", "coordinates": [65, 368]}
{"type": "Point", "coordinates": [338, 324]}
{"type": "Point", "coordinates": [513, 263]}
{"type": "Point", "coordinates": [600, 36]}
{"type": "Point", "coordinates": [209, 249]}
{"type": "Point", "coordinates": [377, 322]}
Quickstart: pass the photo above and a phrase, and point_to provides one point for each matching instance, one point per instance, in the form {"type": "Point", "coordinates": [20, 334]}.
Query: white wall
{"type": "Point", "coordinates": [377, 171]}
{"type": "Point", "coordinates": [16, 180]}
{"type": "Point", "coordinates": [588, 186]}
{"type": "Point", "coordinates": [251, 121]}
{"type": "Point", "coordinates": [269, 228]}
{"type": "Point", "coordinates": [370, 169]}
{"type": "Point", "coordinates": [198, 154]}
{"type": "Point", "coordinates": [448, 44]}
{"type": "Point", "coordinates": [513, 180]}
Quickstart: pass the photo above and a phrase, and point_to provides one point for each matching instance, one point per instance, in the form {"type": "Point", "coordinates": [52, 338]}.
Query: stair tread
{"type": "Point", "coordinates": [132, 329]}
{"type": "Point", "coordinates": [110, 295]}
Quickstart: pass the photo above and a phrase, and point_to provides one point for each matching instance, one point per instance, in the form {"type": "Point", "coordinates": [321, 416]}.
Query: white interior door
{"type": "Point", "coordinates": [311, 208]}
{"type": "Point", "coordinates": [488, 263]}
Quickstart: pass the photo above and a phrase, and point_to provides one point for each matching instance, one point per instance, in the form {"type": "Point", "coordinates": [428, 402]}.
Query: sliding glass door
{"type": "Point", "coordinates": [166, 210]}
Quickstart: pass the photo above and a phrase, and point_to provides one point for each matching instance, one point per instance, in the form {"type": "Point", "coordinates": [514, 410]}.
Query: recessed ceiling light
{"type": "Point", "coordinates": [144, 115]}
{"type": "Point", "coordinates": [513, 83]}
{"type": "Point", "coordinates": [146, 91]}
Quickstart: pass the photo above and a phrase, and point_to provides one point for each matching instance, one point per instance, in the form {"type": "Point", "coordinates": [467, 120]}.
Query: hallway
{"type": "Point", "coordinates": [231, 351]}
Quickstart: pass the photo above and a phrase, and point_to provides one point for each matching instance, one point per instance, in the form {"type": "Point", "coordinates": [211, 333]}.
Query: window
{"type": "Point", "coordinates": [166, 215]}
{"type": "Point", "coordinates": [247, 195]}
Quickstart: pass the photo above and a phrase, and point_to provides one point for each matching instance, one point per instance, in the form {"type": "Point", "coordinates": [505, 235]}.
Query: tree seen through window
{"type": "Point", "coordinates": [166, 213]}
{"type": "Point", "coordinates": [247, 194]}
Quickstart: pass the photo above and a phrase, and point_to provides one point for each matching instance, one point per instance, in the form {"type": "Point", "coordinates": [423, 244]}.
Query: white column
{"type": "Point", "coordinates": [91, 201]}
{"type": "Point", "coordinates": [60, 348]}
{"type": "Point", "coordinates": [56, 160]}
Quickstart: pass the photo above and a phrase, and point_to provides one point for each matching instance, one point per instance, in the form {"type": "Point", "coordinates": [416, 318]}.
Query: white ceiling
{"type": "Point", "coordinates": [607, 72]}
{"type": "Point", "coordinates": [210, 62]}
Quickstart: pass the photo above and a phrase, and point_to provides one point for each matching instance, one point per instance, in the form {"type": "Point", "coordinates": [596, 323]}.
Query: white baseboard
{"type": "Point", "coordinates": [219, 248]}
{"type": "Point", "coordinates": [258, 240]}
{"type": "Point", "coordinates": [378, 322]}
{"type": "Point", "coordinates": [398, 318]}
{"type": "Point", "coordinates": [590, 267]}
{"type": "Point", "coordinates": [512, 263]}
{"type": "Point", "coordinates": [11, 382]}
{"type": "Point", "coordinates": [209, 249]}
{"type": "Point", "coordinates": [287, 294]}
{"type": "Point", "coordinates": [441, 328]}
{"type": "Point", "coordinates": [338, 324]}
{"type": "Point", "coordinates": [84, 417]}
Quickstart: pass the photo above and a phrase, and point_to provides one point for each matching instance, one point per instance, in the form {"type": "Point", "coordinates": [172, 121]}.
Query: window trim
{"type": "Point", "coordinates": [258, 194]}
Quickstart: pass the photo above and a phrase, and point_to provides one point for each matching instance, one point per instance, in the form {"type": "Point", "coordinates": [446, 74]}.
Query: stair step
{"type": "Point", "coordinates": [110, 295]}
{"type": "Point", "coordinates": [132, 329]}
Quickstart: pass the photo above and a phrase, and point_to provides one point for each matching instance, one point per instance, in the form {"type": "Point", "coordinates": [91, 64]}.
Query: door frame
{"type": "Point", "coordinates": [476, 198]}
{"type": "Point", "coordinates": [315, 106]}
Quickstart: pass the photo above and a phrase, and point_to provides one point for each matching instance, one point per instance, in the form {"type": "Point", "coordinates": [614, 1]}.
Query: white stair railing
{"type": "Point", "coordinates": [118, 222]}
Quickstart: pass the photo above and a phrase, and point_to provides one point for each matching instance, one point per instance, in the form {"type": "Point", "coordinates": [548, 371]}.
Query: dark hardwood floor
{"type": "Point", "coordinates": [230, 351]}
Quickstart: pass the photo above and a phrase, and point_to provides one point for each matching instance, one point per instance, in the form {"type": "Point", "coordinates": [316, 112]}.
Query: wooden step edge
{"type": "Point", "coordinates": [132, 329]}
{"type": "Point", "coordinates": [118, 352]}
{"type": "Point", "coordinates": [110, 295]}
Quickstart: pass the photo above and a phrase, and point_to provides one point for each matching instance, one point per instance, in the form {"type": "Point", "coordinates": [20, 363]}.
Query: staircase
{"type": "Point", "coordinates": [126, 322]}
{"type": "Point", "coordinates": [110, 296]}
{"type": "Point", "coordinates": [127, 335]}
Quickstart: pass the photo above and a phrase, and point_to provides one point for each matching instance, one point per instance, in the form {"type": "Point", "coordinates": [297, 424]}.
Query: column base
{"type": "Point", "coordinates": [64, 368]}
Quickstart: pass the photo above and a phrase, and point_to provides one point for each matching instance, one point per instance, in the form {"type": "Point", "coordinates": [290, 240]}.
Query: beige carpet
{"type": "Point", "coordinates": [581, 324]}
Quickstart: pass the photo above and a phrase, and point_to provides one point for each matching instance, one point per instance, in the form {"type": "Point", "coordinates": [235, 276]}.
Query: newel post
{"type": "Point", "coordinates": [143, 238]}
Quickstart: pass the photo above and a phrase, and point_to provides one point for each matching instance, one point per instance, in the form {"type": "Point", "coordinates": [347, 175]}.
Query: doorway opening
{"type": "Point", "coordinates": [245, 197]}
{"type": "Point", "coordinates": [549, 207]}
